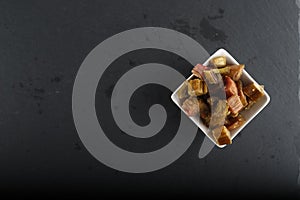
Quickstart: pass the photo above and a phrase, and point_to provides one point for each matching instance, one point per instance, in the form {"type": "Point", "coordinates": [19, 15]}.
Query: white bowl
{"type": "Point", "coordinates": [247, 114]}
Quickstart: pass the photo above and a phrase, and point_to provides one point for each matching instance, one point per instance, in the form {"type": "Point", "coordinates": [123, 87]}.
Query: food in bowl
{"type": "Point", "coordinates": [222, 114]}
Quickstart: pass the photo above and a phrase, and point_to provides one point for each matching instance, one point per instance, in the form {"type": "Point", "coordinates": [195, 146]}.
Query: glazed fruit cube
{"type": "Point", "coordinates": [234, 104]}
{"type": "Point", "coordinates": [219, 61]}
{"type": "Point", "coordinates": [253, 91]}
{"type": "Point", "coordinates": [222, 135]}
{"type": "Point", "coordinates": [197, 87]}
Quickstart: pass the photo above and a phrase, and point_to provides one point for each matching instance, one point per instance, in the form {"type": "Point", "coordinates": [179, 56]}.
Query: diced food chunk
{"type": "Point", "coordinates": [235, 105]}
{"type": "Point", "coordinates": [222, 135]}
{"type": "Point", "coordinates": [191, 106]}
{"type": "Point", "coordinates": [219, 61]}
{"type": "Point", "coordinates": [236, 71]}
{"type": "Point", "coordinates": [198, 70]}
{"type": "Point", "coordinates": [230, 87]}
{"type": "Point", "coordinates": [233, 71]}
{"type": "Point", "coordinates": [253, 91]}
{"type": "Point", "coordinates": [235, 122]}
{"type": "Point", "coordinates": [197, 87]}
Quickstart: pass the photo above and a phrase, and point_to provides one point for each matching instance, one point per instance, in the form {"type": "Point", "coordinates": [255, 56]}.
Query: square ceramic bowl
{"type": "Point", "coordinates": [247, 114]}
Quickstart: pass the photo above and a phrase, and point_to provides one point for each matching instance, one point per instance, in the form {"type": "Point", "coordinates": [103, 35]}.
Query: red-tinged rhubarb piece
{"type": "Point", "coordinates": [234, 104]}
{"type": "Point", "coordinates": [198, 70]}
{"type": "Point", "coordinates": [230, 87]}
{"type": "Point", "coordinates": [191, 106]}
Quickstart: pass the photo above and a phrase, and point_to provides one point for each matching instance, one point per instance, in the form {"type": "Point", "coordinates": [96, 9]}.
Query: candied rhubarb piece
{"type": "Point", "coordinates": [234, 104]}
{"type": "Point", "coordinates": [235, 122]}
{"type": "Point", "coordinates": [253, 91]}
{"type": "Point", "coordinates": [243, 98]}
{"type": "Point", "coordinates": [219, 61]}
{"type": "Point", "coordinates": [222, 135]}
{"type": "Point", "coordinates": [191, 106]}
{"type": "Point", "coordinates": [236, 71]}
{"type": "Point", "coordinates": [230, 87]}
{"type": "Point", "coordinates": [198, 70]}
{"type": "Point", "coordinates": [197, 87]}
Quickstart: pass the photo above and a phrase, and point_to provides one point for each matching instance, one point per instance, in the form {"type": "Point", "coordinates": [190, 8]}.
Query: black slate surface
{"type": "Point", "coordinates": [43, 43]}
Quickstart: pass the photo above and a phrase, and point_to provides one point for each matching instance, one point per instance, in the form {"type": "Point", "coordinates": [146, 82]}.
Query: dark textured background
{"type": "Point", "coordinates": [42, 45]}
